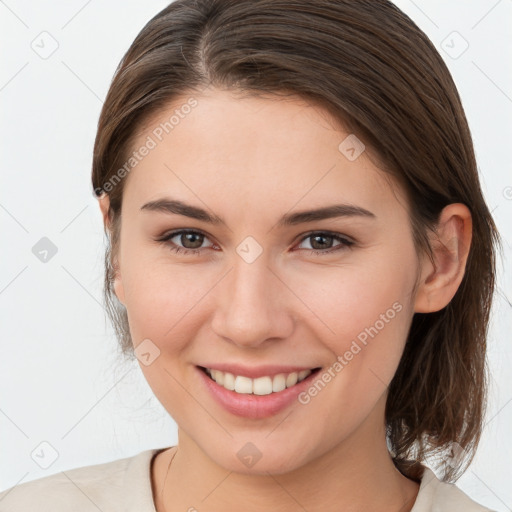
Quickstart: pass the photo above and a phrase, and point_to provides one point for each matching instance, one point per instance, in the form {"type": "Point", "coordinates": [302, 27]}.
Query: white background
{"type": "Point", "coordinates": [62, 380]}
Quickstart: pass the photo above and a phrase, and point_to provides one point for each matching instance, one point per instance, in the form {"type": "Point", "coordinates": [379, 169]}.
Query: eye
{"type": "Point", "coordinates": [192, 241]}
{"type": "Point", "coordinates": [321, 242]}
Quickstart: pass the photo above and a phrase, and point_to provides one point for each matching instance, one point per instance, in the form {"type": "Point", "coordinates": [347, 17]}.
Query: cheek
{"type": "Point", "coordinates": [161, 298]}
{"type": "Point", "coordinates": [368, 327]}
{"type": "Point", "coordinates": [362, 312]}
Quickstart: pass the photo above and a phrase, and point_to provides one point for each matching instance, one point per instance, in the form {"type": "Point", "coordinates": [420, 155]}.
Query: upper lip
{"type": "Point", "coordinates": [256, 371]}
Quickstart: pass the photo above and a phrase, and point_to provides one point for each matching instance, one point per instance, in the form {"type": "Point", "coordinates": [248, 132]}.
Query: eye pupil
{"type": "Point", "coordinates": [314, 239]}
{"type": "Point", "coordinates": [192, 237]}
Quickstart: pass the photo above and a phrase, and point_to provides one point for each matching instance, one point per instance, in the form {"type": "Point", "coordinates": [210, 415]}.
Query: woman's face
{"type": "Point", "coordinates": [265, 290]}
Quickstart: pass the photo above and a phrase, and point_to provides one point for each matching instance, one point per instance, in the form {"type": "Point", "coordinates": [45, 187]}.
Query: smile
{"type": "Point", "coordinates": [260, 386]}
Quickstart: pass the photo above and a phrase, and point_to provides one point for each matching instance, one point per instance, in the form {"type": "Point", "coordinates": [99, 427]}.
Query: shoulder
{"type": "Point", "coordinates": [117, 485]}
{"type": "Point", "coordinates": [436, 495]}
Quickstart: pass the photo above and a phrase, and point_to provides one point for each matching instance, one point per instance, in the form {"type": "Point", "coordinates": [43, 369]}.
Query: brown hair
{"type": "Point", "coordinates": [376, 72]}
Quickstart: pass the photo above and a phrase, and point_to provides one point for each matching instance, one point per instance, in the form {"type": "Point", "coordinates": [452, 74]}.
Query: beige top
{"type": "Point", "coordinates": [124, 485]}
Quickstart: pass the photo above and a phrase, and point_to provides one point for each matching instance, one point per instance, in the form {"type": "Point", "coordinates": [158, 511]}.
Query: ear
{"type": "Point", "coordinates": [104, 202]}
{"type": "Point", "coordinates": [450, 246]}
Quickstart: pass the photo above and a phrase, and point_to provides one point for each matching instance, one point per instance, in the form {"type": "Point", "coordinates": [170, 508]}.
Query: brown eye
{"type": "Point", "coordinates": [191, 240]}
{"type": "Point", "coordinates": [186, 241]}
{"type": "Point", "coordinates": [322, 242]}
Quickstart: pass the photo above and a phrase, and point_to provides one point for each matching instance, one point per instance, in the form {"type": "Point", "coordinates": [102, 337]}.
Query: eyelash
{"type": "Point", "coordinates": [344, 242]}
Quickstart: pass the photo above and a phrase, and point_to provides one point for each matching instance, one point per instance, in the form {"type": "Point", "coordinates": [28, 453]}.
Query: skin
{"type": "Point", "coordinates": [250, 161]}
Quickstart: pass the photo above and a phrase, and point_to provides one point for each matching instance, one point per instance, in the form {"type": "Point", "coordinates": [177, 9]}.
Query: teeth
{"type": "Point", "coordinates": [228, 380]}
{"type": "Point", "coordinates": [259, 386]}
{"type": "Point", "coordinates": [292, 379]}
{"type": "Point", "coordinates": [279, 382]}
{"type": "Point", "coordinates": [219, 377]}
{"type": "Point", "coordinates": [303, 374]}
{"type": "Point", "coordinates": [243, 385]}
{"type": "Point", "coordinates": [262, 386]}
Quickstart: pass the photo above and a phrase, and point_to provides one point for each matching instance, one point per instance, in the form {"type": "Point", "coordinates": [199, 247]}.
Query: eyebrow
{"type": "Point", "coordinates": [173, 206]}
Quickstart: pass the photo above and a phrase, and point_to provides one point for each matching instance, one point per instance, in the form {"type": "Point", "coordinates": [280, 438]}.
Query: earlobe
{"type": "Point", "coordinates": [118, 287]}
{"type": "Point", "coordinates": [104, 202]}
{"type": "Point", "coordinates": [450, 246]}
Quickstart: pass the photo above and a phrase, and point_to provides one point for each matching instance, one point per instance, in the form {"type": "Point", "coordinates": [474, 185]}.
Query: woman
{"type": "Point", "coordinates": [300, 257]}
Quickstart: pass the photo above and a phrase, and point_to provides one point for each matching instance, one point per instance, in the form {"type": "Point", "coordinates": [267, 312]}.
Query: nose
{"type": "Point", "coordinates": [252, 305]}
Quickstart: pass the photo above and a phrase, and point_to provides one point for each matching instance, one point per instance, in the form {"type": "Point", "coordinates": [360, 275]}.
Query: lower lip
{"type": "Point", "coordinates": [255, 406]}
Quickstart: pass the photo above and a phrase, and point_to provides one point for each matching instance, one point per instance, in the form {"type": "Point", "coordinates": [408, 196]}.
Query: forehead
{"type": "Point", "coordinates": [256, 152]}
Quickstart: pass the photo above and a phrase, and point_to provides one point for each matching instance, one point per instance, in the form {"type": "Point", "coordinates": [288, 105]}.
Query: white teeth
{"type": "Point", "coordinates": [229, 380]}
{"type": "Point", "coordinates": [218, 377]}
{"type": "Point", "coordinates": [302, 374]}
{"type": "Point", "coordinates": [279, 382]}
{"type": "Point", "coordinates": [261, 385]}
{"type": "Point", "coordinates": [243, 385]}
{"type": "Point", "coordinates": [291, 379]}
